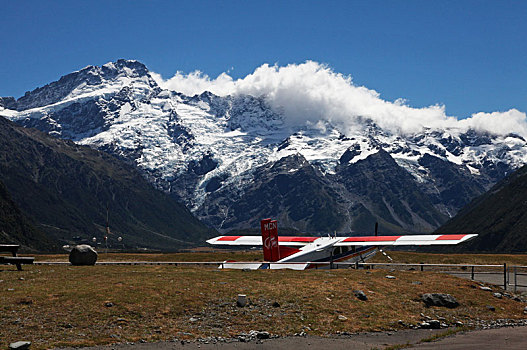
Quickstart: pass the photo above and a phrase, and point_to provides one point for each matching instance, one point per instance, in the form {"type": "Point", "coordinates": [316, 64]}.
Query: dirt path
{"type": "Point", "coordinates": [366, 341]}
{"type": "Point", "coordinates": [501, 338]}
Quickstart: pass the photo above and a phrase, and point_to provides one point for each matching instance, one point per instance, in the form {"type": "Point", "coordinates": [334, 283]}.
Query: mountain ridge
{"type": "Point", "coordinates": [198, 147]}
{"type": "Point", "coordinates": [498, 217]}
{"type": "Point", "coordinates": [65, 189]}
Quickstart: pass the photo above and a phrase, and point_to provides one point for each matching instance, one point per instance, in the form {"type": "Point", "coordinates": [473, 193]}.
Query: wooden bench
{"type": "Point", "coordinates": [14, 259]}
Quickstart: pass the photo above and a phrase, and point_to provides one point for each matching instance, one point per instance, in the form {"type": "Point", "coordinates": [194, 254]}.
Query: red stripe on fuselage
{"type": "Point", "coordinates": [287, 251]}
{"type": "Point", "coordinates": [229, 238]}
{"type": "Point", "coordinates": [450, 237]}
{"type": "Point", "coordinates": [371, 239]}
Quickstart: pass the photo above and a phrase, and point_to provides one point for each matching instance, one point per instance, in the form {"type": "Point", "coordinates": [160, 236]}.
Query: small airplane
{"type": "Point", "coordinates": [300, 253]}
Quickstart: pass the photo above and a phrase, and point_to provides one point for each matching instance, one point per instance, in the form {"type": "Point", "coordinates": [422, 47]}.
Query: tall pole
{"type": "Point", "coordinates": [107, 226]}
{"type": "Point", "coordinates": [107, 219]}
{"type": "Point", "coordinates": [505, 276]}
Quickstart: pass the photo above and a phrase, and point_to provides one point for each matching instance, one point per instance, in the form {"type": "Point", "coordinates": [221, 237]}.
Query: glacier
{"type": "Point", "coordinates": [206, 145]}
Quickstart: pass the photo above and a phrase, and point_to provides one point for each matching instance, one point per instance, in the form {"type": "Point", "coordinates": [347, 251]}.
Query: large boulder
{"type": "Point", "coordinates": [83, 255]}
{"type": "Point", "coordinates": [439, 299]}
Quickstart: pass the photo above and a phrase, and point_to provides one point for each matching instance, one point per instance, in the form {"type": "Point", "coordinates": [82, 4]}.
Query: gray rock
{"type": "Point", "coordinates": [390, 277]}
{"type": "Point", "coordinates": [263, 335]}
{"type": "Point", "coordinates": [497, 295]}
{"type": "Point", "coordinates": [241, 301]}
{"type": "Point", "coordinates": [439, 299]}
{"type": "Point", "coordinates": [20, 345]}
{"type": "Point", "coordinates": [434, 324]}
{"type": "Point", "coordinates": [83, 255]}
{"type": "Point", "coordinates": [359, 294]}
{"type": "Point", "coordinates": [487, 289]}
{"type": "Point", "coordinates": [491, 308]}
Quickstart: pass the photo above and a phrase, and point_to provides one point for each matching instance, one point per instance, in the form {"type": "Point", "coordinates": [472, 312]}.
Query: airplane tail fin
{"type": "Point", "coordinates": [271, 249]}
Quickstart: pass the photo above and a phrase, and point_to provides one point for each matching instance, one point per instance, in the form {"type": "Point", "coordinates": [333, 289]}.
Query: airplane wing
{"type": "Point", "coordinates": [405, 240]}
{"type": "Point", "coordinates": [293, 241]}
{"type": "Point", "coordinates": [236, 240]}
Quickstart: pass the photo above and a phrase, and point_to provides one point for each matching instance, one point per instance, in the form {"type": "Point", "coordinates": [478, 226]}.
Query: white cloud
{"type": "Point", "coordinates": [501, 123]}
{"type": "Point", "coordinates": [196, 83]}
{"type": "Point", "coordinates": [310, 92]}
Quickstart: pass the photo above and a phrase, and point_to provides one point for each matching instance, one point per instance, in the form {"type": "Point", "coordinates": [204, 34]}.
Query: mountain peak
{"type": "Point", "coordinates": [89, 76]}
{"type": "Point", "coordinates": [131, 68]}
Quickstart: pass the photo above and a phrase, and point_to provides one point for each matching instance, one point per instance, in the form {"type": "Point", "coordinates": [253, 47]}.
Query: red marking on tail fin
{"type": "Point", "coordinates": [270, 240]}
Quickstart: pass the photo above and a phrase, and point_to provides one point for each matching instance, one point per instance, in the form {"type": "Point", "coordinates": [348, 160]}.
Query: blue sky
{"type": "Point", "coordinates": [470, 56]}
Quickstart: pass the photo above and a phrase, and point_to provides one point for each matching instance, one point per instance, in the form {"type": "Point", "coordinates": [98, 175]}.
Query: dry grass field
{"type": "Point", "coordinates": [65, 305]}
{"type": "Point", "coordinates": [470, 259]}
{"type": "Point", "coordinates": [256, 255]}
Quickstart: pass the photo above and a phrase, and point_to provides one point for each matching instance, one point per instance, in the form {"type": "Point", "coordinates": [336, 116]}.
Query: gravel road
{"type": "Point", "coordinates": [501, 338]}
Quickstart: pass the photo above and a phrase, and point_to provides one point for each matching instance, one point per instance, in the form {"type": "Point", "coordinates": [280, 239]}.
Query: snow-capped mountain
{"type": "Point", "coordinates": [235, 159]}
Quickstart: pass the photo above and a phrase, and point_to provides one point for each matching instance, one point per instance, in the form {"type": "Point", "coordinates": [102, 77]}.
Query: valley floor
{"type": "Point", "coordinates": [57, 306]}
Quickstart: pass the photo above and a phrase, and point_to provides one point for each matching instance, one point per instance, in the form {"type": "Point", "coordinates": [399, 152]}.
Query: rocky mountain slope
{"type": "Point", "coordinates": [498, 216]}
{"type": "Point", "coordinates": [234, 159]}
{"type": "Point", "coordinates": [56, 188]}
{"type": "Point", "coordinates": [15, 227]}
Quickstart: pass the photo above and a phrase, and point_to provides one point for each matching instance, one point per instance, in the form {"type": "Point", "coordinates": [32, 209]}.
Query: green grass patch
{"type": "Point", "coordinates": [447, 333]}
